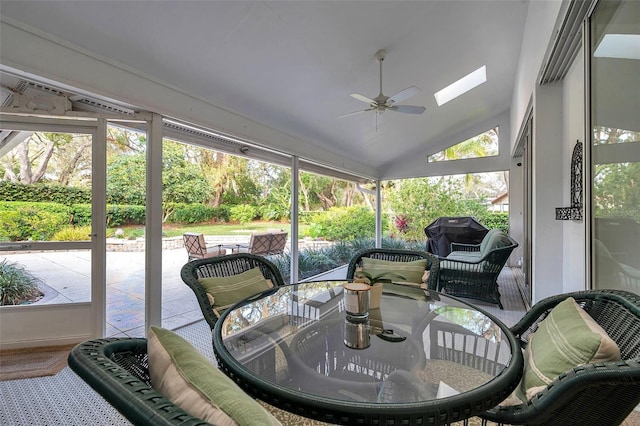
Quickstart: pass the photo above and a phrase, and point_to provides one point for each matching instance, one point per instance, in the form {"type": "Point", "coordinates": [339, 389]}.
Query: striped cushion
{"type": "Point", "coordinates": [567, 338]}
{"type": "Point", "coordinates": [229, 290]}
{"type": "Point", "coordinates": [193, 383]}
{"type": "Point", "coordinates": [411, 271]}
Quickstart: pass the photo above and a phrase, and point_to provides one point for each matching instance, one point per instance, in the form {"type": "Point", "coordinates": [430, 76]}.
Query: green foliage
{"type": "Point", "coordinates": [125, 215]}
{"type": "Point", "coordinates": [72, 233]}
{"type": "Point", "coordinates": [196, 213]}
{"type": "Point", "coordinates": [31, 221]}
{"type": "Point", "coordinates": [346, 223]}
{"type": "Point", "coordinates": [16, 285]}
{"type": "Point", "coordinates": [615, 190]}
{"type": "Point", "coordinates": [309, 217]}
{"type": "Point", "coordinates": [276, 206]}
{"type": "Point", "coordinates": [182, 181]}
{"type": "Point", "coordinates": [61, 194]}
{"type": "Point", "coordinates": [243, 213]}
{"type": "Point", "coordinates": [422, 202]}
{"type": "Point", "coordinates": [126, 179]}
{"type": "Point", "coordinates": [495, 221]}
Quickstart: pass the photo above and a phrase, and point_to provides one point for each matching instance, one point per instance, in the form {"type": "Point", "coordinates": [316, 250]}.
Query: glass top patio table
{"type": "Point", "coordinates": [422, 357]}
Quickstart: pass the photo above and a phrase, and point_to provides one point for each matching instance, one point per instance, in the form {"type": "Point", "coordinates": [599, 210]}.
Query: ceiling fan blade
{"type": "Point", "coordinates": [403, 94]}
{"type": "Point", "coordinates": [410, 109]}
{"type": "Point", "coordinates": [355, 113]}
{"type": "Point", "coordinates": [362, 98]}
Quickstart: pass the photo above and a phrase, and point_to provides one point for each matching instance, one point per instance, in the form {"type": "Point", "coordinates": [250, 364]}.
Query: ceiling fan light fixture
{"type": "Point", "coordinates": [462, 86]}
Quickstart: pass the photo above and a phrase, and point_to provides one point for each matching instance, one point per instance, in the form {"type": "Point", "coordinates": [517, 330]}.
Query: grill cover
{"type": "Point", "coordinates": [446, 230]}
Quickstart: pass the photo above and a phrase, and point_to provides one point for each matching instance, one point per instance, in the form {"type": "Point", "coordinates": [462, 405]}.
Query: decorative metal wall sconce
{"type": "Point", "coordinates": [575, 211]}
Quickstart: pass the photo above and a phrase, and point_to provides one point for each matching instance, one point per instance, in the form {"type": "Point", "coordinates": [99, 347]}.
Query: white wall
{"type": "Point", "coordinates": [547, 180]}
{"type": "Point", "coordinates": [539, 32]}
{"type": "Point", "coordinates": [573, 112]}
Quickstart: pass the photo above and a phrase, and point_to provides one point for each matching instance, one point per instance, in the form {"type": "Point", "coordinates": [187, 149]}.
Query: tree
{"type": "Point", "coordinates": [55, 157]}
{"type": "Point", "coordinates": [182, 181]}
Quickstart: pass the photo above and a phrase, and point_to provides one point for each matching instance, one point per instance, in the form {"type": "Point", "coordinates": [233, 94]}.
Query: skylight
{"type": "Point", "coordinates": [461, 86]}
{"type": "Point", "coordinates": [623, 46]}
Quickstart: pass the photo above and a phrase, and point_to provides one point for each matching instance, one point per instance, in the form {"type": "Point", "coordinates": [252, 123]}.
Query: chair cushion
{"type": "Point", "coordinates": [568, 337]}
{"type": "Point", "coordinates": [192, 382]}
{"type": "Point", "coordinates": [411, 271]}
{"type": "Point", "coordinates": [229, 290]}
{"type": "Point", "coordinates": [494, 241]}
{"type": "Point", "coordinates": [467, 256]}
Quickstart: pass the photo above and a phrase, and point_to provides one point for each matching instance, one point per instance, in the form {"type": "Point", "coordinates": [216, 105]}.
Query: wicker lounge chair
{"type": "Point", "coordinates": [593, 394]}
{"type": "Point", "coordinates": [471, 270]}
{"type": "Point", "coordinates": [396, 255]}
{"type": "Point", "coordinates": [224, 266]}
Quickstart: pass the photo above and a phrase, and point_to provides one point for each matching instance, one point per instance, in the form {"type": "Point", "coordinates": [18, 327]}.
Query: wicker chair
{"type": "Point", "coordinates": [396, 255]}
{"type": "Point", "coordinates": [474, 277]}
{"type": "Point", "coordinates": [118, 370]}
{"type": "Point", "coordinates": [224, 266]}
{"type": "Point", "coordinates": [593, 394]}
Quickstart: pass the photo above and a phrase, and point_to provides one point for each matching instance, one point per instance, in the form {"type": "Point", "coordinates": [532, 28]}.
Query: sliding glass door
{"type": "Point", "coordinates": [615, 144]}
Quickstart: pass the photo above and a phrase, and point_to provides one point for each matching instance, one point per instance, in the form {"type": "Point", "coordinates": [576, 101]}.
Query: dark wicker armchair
{"type": "Point", "coordinates": [118, 370]}
{"type": "Point", "coordinates": [224, 266]}
{"type": "Point", "coordinates": [593, 394]}
{"type": "Point", "coordinates": [396, 255]}
{"type": "Point", "coordinates": [472, 273]}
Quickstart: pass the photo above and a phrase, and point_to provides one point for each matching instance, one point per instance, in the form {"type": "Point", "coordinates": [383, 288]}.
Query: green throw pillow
{"type": "Point", "coordinates": [568, 337]}
{"type": "Point", "coordinates": [229, 290]}
{"type": "Point", "coordinates": [189, 380]}
{"type": "Point", "coordinates": [411, 271]}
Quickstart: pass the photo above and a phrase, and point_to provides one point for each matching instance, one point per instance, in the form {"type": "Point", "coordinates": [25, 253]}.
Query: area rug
{"type": "Point", "coordinates": [33, 362]}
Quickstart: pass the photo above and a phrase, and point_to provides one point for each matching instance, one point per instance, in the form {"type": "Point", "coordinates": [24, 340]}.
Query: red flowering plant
{"type": "Point", "coordinates": [402, 223]}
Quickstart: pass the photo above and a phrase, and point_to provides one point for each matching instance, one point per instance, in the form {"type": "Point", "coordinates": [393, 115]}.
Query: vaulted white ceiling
{"type": "Point", "coordinates": [291, 65]}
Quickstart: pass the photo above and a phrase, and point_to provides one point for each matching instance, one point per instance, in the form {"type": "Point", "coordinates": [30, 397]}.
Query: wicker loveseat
{"type": "Point", "coordinates": [471, 270]}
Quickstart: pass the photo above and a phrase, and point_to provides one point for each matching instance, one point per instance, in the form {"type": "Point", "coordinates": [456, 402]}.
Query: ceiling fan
{"type": "Point", "coordinates": [381, 103]}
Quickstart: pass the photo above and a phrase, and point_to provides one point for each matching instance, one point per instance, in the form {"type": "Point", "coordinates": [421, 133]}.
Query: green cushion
{"type": "Point", "coordinates": [568, 337]}
{"type": "Point", "coordinates": [487, 237]}
{"type": "Point", "coordinates": [229, 290]}
{"type": "Point", "coordinates": [468, 256]}
{"type": "Point", "coordinates": [494, 241]}
{"type": "Point", "coordinates": [192, 382]}
{"type": "Point", "coordinates": [411, 271]}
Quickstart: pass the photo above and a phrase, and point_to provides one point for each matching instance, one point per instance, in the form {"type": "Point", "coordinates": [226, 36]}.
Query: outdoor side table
{"type": "Point", "coordinates": [422, 358]}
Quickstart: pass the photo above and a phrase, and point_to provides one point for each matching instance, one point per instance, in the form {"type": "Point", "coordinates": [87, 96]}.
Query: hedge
{"type": "Point", "coordinates": [39, 192]}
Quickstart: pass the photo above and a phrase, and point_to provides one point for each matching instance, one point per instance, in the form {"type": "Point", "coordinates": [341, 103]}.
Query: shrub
{"type": "Point", "coordinates": [346, 223]}
{"type": "Point", "coordinates": [195, 213]}
{"type": "Point", "coordinates": [16, 285]}
{"type": "Point", "coordinates": [243, 213]}
{"type": "Point", "coordinates": [495, 220]}
{"type": "Point", "coordinates": [30, 224]}
{"type": "Point", "coordinates": [39, 192]}
{"type": "Point", "coordinates": [73, 233]}
{"type": "Point", "coordinates": [117, 214]}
